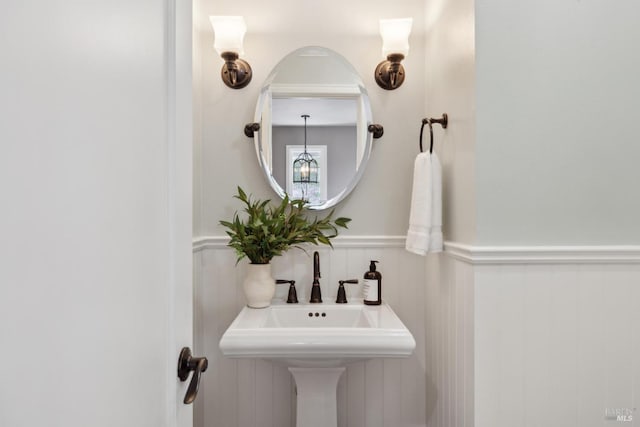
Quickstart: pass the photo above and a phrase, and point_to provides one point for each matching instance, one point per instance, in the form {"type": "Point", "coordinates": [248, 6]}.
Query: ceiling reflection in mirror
{"type": "Point", "coordinates": [321, 84]}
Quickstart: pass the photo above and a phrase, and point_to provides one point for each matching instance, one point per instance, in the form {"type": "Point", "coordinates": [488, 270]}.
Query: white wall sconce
{"type": "Point", "coordinates": [229, 34]}
{"type": "Point", "coordinates": [395, 47]}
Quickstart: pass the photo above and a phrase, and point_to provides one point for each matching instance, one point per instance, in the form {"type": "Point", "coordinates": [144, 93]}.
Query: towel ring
{"type": "Point", "coordinates": [444, 121]}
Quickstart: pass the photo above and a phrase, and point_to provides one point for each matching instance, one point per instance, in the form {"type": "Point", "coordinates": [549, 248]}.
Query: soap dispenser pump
{"type": "Point", "coordinates": [372, 285]}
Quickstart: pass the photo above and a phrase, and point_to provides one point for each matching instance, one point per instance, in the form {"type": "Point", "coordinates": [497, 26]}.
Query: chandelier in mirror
{"type": "Point", "coordinates": [305, 167]}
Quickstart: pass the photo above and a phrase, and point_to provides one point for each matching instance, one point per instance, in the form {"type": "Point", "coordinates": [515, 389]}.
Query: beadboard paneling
{"type": "Point", "coordinates": [449, 337]}
{"type": "Point", "coordinates": [528, 337]}
{"type": "Point", "coordinates": [256, 393]}
{"type": "Point", "coordinates": [532, 336]}
{"type": "Point", "coordinates": [556, 344]}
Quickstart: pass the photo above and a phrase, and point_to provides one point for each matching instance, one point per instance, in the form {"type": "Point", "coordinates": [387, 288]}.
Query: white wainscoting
{"type": "Point", "coordinates": [449, 335]}
{"type": "Point", "coordinates": [507, 336]}
{"type": "Point", "coordinates": [533, 336]}
{"type": "Point", "coordinates": [556, 344]}
{"type": "Point", "coordinates": [255, 393]}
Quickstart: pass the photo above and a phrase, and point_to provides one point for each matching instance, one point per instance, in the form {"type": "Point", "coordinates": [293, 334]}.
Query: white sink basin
{"type": "Point", "coordinates": [308, 316]}
{"type": "Point", "coordinates": [317, 335]}
{"type": "Point", "coordinates": [316, 341]}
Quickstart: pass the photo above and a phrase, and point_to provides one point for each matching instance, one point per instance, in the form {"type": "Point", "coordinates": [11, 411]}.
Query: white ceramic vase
{"type": "Point", "coordinates": [259, 286]}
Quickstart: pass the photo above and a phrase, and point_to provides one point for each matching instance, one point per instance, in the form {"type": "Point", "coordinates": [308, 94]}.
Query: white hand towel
{"type": "Point", "coordinates": [425, 220]}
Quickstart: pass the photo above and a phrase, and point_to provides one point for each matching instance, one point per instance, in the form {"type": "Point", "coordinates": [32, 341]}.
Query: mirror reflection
{"type": "Point", "coordinates": [313, 141]}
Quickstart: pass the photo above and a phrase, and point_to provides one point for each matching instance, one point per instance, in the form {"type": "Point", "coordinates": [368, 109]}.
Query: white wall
{"type": "Point", "coordinates": [257, 393]}
{"type": "Point", "coordinates": [557, 103]}
{"type": "Point", "coordinates": [553, 147]}
{"type": "Point", "coordinates": [227, 157]}
{"type": "Point", "coordinates": [540, 151]}
{"type": "Point", "coordinates": [449, 298]}
{"type": "Point", "coordinates": [556, 153]}
{"type": "Point", "coordinates": [450, 88]}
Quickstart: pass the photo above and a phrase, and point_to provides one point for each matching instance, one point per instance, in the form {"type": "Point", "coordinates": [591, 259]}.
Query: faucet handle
{"type": "Point", "coordinates": [342, 295]}
{"type": "Point", "coordinates": [292, 298]}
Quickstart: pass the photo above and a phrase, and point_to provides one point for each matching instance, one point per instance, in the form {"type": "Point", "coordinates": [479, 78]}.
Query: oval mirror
{"type": "Point", "coordinates": [314, 113]}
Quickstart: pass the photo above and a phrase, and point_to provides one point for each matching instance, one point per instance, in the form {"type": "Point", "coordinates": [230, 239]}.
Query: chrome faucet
{"type": "Point", "coordinates": [316, 296]}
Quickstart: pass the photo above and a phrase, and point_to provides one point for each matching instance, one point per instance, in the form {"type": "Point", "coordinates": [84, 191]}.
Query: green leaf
{"type": "Point", "coordinates": [241, 194]}
{"type": "Point", "coordinates": [268, 230]}
{"type": "Point", "coordinates": [342, 222]}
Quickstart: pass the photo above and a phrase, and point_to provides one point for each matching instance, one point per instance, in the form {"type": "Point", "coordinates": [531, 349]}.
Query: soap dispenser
{"type": "Point", "coordinates": [372, 285]}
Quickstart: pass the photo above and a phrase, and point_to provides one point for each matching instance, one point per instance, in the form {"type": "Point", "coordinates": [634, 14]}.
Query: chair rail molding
{"type": "Point", "coordinates": [220, 242]}
{"type": "Point", "coordinates": [604, 254]}
{"type": "Point", "coordinates": [476, 254]}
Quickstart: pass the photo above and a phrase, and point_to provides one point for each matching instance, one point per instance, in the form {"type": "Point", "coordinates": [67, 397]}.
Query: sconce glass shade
{"type": "Point", "coordinates": [229, 33]}
{"type": "Point", "coordinates": [395, 36]}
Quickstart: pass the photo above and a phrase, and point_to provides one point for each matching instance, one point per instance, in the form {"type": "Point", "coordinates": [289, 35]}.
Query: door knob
{"type": "Point", "coordinates": [186, 364]}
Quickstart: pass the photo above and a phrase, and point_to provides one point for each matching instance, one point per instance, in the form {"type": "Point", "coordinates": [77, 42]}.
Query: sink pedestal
{"type": "Point", "coordinates": [317, 341]}
{"type": "Point", "coordinates": [317, 402]}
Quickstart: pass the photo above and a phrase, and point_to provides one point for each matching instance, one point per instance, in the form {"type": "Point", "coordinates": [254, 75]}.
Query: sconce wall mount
{"type": "Point", "coordinates": [236, 73]}
{"type": "Point", "coordinates": [389, 74]}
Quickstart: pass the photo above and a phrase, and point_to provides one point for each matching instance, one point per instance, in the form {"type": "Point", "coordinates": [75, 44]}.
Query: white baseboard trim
{"type": "Point", "coordinates": [220, 242]}
{"type": "Point", "coordinates": [543, 254]}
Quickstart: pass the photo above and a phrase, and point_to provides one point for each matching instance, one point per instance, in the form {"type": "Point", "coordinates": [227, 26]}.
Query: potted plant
{"type": "Point", "coordinates": [268, 231]}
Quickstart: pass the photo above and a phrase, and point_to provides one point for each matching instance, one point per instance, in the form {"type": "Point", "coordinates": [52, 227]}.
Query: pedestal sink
{"type": "Point", "coordinates": [316, 341]}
